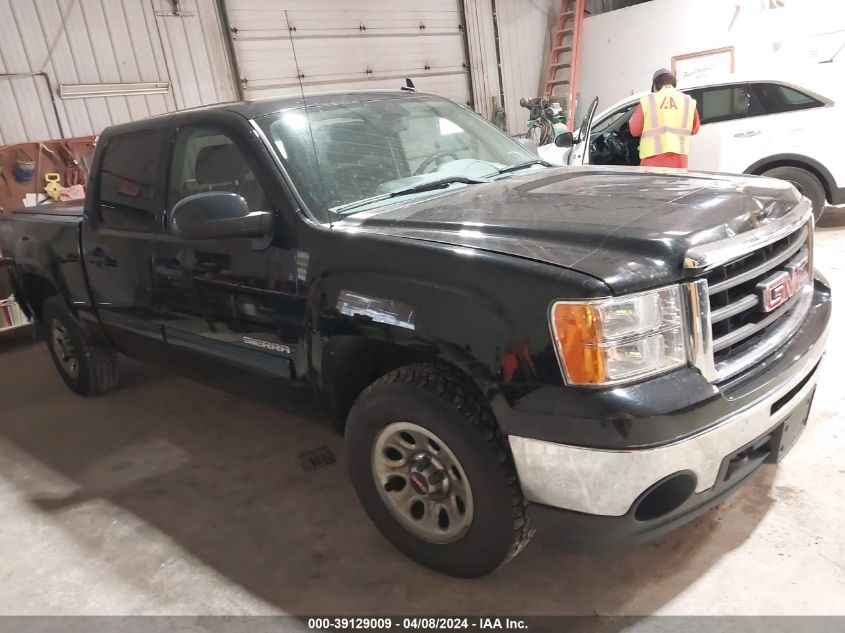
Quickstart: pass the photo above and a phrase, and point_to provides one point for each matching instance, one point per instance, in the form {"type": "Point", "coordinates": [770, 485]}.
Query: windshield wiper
{"type": "Point", "coordinates": [425, 186]}
{"type": "Point", "coordinates": [518, 166]}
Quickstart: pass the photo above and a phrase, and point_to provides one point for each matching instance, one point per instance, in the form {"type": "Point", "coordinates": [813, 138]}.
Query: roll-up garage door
{"type": "Point", "coordinates": [329, 45]}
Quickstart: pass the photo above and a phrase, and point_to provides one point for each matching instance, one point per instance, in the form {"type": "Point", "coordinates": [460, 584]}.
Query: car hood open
{"type": "Point", "coordinates": [629, 227]}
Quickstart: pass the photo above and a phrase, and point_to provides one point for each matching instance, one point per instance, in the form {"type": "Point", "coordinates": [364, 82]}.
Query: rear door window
{"type": "Point", "coordinates": [726, 103]}
{"type": "Point", "coordinates": [777, 98]}
{"type": "Point", "coordinates": [127, 188]}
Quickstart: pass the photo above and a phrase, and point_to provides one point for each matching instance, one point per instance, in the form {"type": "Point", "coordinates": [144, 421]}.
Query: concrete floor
{"type": "Point", "coordinates": [168, 497]}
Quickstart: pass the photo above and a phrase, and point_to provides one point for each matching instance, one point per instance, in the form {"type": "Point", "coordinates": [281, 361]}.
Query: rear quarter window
{"type": "Point", "coordinates": [776, 98]}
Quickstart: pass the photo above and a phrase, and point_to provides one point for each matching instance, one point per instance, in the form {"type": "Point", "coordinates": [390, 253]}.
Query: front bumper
{"type": "Point", "coordinates": [585, 481]}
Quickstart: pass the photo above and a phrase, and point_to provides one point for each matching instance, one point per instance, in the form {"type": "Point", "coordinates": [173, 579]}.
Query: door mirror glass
{"type": "Point", "coordinates": [564, 139]}
{"type": "Point", "coordinates": [217, 214]}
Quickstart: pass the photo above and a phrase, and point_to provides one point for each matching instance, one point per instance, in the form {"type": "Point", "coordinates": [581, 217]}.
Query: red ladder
{"type": "Point", "coordinates": [562, 68]}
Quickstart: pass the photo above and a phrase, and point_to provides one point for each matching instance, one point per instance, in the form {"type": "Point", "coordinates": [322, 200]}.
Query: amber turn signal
{"type": "Point", "coordinates": [577, 332]}
{"type": "Point", "coordinates": [613, 340]}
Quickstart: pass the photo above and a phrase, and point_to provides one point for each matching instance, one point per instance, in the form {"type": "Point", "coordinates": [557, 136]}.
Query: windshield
{"type": "Point", "coordinates": [363, 151]}
{"type": "Point", "coordinates": [612, 120]}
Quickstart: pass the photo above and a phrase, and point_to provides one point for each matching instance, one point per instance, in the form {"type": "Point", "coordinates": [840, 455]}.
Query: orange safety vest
{"type": "Point", "coordinates": [668, 116]}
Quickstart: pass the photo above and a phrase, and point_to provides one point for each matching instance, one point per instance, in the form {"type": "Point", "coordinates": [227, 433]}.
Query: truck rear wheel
{"type": "Point", "coordinates": [806, 183]}
{"type": "Point", "coordinates": [434, 474]}
{"type": "Point", "coordinates": [86, 368]}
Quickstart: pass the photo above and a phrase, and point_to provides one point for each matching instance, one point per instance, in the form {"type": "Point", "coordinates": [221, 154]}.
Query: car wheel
{"type": "Point", "coordinates": [86, 368]}
{"type": "Point", "coordinates": [806, 183]}
{"type": "Point", "coordinates": [434, 473]}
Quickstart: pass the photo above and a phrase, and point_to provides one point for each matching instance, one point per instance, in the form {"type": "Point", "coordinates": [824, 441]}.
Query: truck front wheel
{"type": "Point", "coordinates": [86, 368]}
{"type": "Point", "coordinates": [434, 474]}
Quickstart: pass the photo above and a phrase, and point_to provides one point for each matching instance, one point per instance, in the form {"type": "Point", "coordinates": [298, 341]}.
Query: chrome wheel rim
{"type": "Point", "coordinates": [422, 483]}
{"type": "Point", "coordinates": [63, 349]}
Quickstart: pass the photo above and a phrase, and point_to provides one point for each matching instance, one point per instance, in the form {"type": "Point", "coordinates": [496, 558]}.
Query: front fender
{"type": "Point", "coordinates": [464, 328]}
{"type": "Point", "coordinates": [490, 321]}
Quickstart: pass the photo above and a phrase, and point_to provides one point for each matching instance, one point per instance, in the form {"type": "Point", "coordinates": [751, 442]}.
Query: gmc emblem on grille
{"type": "Point", "coordinates": [776, 289]}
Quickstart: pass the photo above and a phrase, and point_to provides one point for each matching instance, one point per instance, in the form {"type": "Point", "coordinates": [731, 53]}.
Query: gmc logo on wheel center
{"type": "Point", "coordinates": [776, 289]}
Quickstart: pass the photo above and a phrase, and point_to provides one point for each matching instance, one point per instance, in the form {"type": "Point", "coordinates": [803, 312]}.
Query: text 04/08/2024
{"type": "Point", "coordinates": [416, 624]}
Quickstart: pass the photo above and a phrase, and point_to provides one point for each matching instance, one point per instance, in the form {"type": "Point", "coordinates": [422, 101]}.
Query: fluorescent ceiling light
{"type": "Point", "coordinates": [80, 91]}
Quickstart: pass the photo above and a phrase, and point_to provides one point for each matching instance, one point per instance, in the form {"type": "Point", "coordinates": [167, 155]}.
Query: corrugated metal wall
{"type": "Point", "coordinates": [482, 54]}
{"type": "Point", "coordinates": [119, 41]}
{"type": "Point", "coordinates": [44, 43]}
{"type": "Point", "coordinates": [524, 28]}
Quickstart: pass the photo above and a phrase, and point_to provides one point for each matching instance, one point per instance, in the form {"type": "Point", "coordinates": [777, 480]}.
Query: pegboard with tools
{"type": "Point", "coordinates": [42, 172]}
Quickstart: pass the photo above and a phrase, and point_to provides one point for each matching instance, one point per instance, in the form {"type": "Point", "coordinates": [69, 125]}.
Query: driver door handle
{"type": "Point", "coordinates": [747, 134]}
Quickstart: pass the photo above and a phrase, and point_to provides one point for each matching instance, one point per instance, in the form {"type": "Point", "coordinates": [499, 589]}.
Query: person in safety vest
{"type": "Point", "coordinates": [664, 121]}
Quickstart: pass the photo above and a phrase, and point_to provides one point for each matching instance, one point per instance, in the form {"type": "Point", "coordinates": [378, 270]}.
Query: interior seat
{"type": "Point", "coordinates": [223, 168]}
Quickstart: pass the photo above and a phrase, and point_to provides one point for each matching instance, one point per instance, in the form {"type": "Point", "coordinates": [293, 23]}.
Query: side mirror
{"type": "Point", "coordinates": [564, 139]}
{"type": "Point", "coordinates": [217, 214]}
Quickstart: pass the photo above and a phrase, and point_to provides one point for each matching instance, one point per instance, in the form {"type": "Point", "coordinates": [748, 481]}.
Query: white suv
{"type": "Point", "coordinates": [764, 127]}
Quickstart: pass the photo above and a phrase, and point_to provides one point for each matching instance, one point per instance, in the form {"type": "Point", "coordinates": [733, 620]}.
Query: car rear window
{"type": "Point", "coordinates": [127, 180]}
{"type": "Point", "coordinates": [777, 98]}
{"type": "Point", "coordinates": [726, 103]}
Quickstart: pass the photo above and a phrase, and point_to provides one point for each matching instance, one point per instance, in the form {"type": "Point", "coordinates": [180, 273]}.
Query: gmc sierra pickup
{"type": "Point", "coordinates": [600, 353]}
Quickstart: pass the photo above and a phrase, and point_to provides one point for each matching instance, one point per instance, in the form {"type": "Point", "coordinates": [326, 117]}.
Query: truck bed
{"type": "Point", "coordinates": [73, 208]}
{"type": "Point", "coordinates": [43, 241]}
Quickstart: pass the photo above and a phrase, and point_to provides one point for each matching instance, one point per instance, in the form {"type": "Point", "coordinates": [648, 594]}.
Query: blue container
{"type": "Point", "coordinates": [24, 171]}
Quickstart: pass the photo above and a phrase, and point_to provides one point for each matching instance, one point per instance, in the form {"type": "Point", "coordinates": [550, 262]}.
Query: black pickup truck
{"type": "Point", "coordinates": [600, 353]}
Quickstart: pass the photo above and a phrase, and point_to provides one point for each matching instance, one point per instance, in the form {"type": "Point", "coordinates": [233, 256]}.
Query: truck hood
{"type": "Point", "coordinates": [628, 226]}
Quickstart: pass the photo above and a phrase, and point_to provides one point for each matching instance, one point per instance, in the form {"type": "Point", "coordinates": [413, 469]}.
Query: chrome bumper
{"type": "Point", "coordinates": [608, 482]}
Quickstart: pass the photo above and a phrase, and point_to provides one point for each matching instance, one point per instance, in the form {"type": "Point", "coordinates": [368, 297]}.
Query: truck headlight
{"type": "Point", "coordinates": [619, 339]}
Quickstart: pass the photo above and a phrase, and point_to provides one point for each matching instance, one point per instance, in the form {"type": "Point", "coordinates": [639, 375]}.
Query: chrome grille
{"type": "Point", "coordinates": [730, 330]}
{"type": "Point", "coordinates": [739, 323]}
{"type": "Point", "coordinates": [736, 314]}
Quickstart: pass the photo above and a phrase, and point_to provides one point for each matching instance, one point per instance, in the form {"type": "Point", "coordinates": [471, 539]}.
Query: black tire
{"type": "Point", "coordinates": [95, 366]}
{"type": "Point", "coordinates": [438, 400]}
{"type": "Point", "coordinates": [806, 183]}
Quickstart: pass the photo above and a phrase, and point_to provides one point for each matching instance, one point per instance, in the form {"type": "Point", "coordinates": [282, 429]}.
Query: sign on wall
{"type": "Point", "coordinates": [692, 68]}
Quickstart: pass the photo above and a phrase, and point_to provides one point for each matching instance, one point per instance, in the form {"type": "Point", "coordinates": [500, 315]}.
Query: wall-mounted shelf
{"type": "Point", "coordinates": [11, 316]}
{"type": "Point", "coordinates": [14, 327]}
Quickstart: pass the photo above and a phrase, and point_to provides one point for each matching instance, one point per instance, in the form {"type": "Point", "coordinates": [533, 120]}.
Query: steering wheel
{"type": "Point", "coordinates": [607, 148]}
{"type": "Point", "coordinates": [435, 156]}
{"type": "Point", "coordinates": [597, 146]}
{"type": "Point", "coordinates": [615, 146]}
